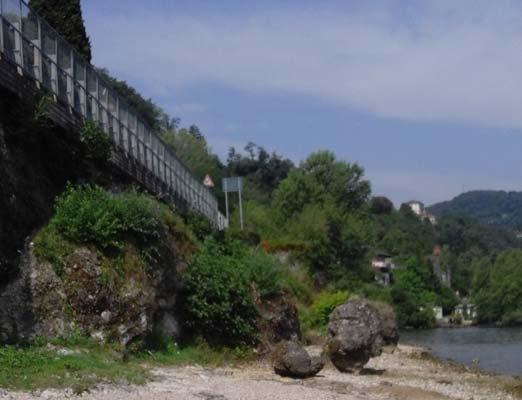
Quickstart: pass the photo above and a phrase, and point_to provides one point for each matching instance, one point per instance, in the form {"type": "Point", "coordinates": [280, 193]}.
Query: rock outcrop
{"type": "Point", "coordinates": [278, 318]}
{"type": "Point", "coordinates": [121, 302]}
{"type": "Point", "coordinates": [355, 334]}
{"type": "Point", "coordinates": [292, 360]}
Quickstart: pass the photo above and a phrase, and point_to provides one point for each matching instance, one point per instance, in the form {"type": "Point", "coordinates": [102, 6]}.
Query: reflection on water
{"type": "Point", "coordinates": [497, 349]}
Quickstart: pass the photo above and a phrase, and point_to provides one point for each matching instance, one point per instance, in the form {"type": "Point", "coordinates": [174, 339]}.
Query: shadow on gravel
{"type": "Point", "coordinates": [372, 371]}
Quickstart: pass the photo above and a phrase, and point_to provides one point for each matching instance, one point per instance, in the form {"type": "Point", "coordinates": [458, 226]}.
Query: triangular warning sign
{"type": "Point", "coordinates": [208, 182]}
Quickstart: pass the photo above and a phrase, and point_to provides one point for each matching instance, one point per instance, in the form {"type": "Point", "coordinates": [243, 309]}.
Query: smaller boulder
{"type": "Point", "coordinates": [292, 360]}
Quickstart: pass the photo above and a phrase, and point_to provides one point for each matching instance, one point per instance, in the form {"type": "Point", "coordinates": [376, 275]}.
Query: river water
{"type": "Point", "coordinates": [497, 349]}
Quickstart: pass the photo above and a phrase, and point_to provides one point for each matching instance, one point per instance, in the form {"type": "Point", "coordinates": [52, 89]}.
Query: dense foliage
{"type": "Point", "coordinates": [216, 296]}
{"type": "Point", "coordinates": [66, 17]}
{"type": "Point", "coordinates": [89, 214]}
{"type": "Point", "coordinates": [319, 311]}
{"type": "Point", "coordinates": [151, 114]}
{"type": "Point", "coordinates": [496, 208]}
{"type": "Point", "coordinates": [192, 148]}
{"type": "Point", "coordinates": [97, 145]}
{"type": "Point", "coordinates": [262, 171]}
{"type": "Point", "coordinates": [497, 288]}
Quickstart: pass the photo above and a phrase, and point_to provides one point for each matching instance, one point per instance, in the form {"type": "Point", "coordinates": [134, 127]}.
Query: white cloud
{"type": "Point", "coordinates": [457, 61]}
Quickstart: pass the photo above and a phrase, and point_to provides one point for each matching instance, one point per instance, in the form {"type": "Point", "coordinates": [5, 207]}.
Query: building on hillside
{"type": "Point", "coordinates": [382, 266]}
{"type": "Point", "coordinates": [438, 312]}
{"type": "Point", "coordinates": [417, 207]}
{"type": "Point", "coordinates": [466, 311]}
{"type": "Point", "coordinates": [420, 211]}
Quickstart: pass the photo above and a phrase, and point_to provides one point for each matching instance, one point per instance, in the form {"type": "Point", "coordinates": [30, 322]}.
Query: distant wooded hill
{"type": "Point", "coordinates": [497, 208]}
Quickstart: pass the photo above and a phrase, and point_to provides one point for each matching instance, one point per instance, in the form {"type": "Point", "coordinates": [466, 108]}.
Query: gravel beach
{"type": "Point", "coordinates": [408, 374]}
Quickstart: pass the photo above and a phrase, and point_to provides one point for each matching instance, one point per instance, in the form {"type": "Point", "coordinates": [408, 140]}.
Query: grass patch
{"type": "Point", "coordinates": [37, 367]}
{"type": "Point", "coordinates": [80, 363]}
{"type": "Point", "coordinates": [197, 353]}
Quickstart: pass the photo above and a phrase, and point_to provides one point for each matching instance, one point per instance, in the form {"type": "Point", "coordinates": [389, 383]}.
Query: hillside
{"type": "Point", "coordinates": [497, 208]}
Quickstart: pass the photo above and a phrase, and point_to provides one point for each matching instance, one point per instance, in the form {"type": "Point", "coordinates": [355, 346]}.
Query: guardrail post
{"type": "Point", "coordinates": [54, 67]}
{"type": "Point", "coordinates": [38, 51]}
{"type": "Point", "coordinates": [70, 79]}
{"type": "Point", "coordinates": [79, 69]}
{"type": "Point", "coordinates": [95, 101]}
{"type": "Point", "coordinates": [18, 43]}
{"type": "Point", "coordinates": [1, 26]}
{"type": "Point", "coordinates": [116, 121]}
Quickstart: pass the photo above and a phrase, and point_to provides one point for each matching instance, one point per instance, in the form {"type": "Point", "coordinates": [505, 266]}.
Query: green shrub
{"type": "Point", "coordinates": [89, 214]}
{"type": "Point", "coordinates": [215, 297]}
{"type": "Point", "coordinates": [44, 102]}
{"type": "Point", "coordinates": [513, 318]}
{"type": "Point", "coordinates": [199, 225]}
{"type": "Point", "coordinates": [323, 305]}
{"type": "Point", "coordinates": [51, 246]}
{"type": "Point", "coordinates": [265, 272]}
{"type": "Point", "coordinates": [300, 283]}
{"type": "Point", "coordinates": [139, 216]}
{"type": "Point", "coordinates": [97, 145]}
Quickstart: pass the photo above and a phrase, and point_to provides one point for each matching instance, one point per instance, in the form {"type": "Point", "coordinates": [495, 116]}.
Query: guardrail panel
{"type": "Point", "coordinates": [42, 54]}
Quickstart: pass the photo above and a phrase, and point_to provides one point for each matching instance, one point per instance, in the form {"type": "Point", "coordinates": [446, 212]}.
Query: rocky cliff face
{"type": "Point", "coordinates": [36, 161]}
{"type": "Point", "coordinates": [92, 296]}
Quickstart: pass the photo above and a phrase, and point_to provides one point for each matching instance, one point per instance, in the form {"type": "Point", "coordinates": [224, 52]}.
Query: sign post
{"type": "Point", "coordinates": [234, 184]}
{"type": "Point", "coordinates": [240, 210]}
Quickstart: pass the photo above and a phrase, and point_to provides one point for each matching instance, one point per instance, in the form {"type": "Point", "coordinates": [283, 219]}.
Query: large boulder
{"type": "Point", "coordinates": [292, 360]}
{"type": "Point", "coordinates": [354, 335]}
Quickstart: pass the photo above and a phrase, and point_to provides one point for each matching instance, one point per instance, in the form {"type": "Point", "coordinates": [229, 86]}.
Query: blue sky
{"type": "Point", "coordinates": [426, 96]}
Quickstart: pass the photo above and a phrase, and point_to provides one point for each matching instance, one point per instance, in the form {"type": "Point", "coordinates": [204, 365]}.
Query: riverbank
{"type": "Point", "coordinates": [409, 374]}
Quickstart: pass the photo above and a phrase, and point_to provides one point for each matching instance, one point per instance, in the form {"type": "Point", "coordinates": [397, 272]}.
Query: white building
{"type": "Point", "coordinates": [418, 209]}
{"type": "Point", "coordinates": [382, 266]}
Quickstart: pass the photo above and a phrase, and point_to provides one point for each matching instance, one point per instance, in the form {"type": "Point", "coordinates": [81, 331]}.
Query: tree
{"type": "Point", "coordinates": [66, 17]}
{"type": "Point", "coordinates": [262, 171]}
{"type": "Point", "coordinates": [338, 179]}
{"type": "Point", "coordinates": [196, 132]}
{"type": "Point", "coordinates": [499, 298]}
{"type": "Point", "coordinates": [192, 148]}
{"type": "Point", "coordinates": [381, 205]}
{"type": "Point", "coordinates": [321, 179]}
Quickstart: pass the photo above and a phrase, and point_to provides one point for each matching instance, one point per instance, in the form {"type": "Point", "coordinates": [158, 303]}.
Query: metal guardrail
{"type": "Point", "coordinates": [42, 54]}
